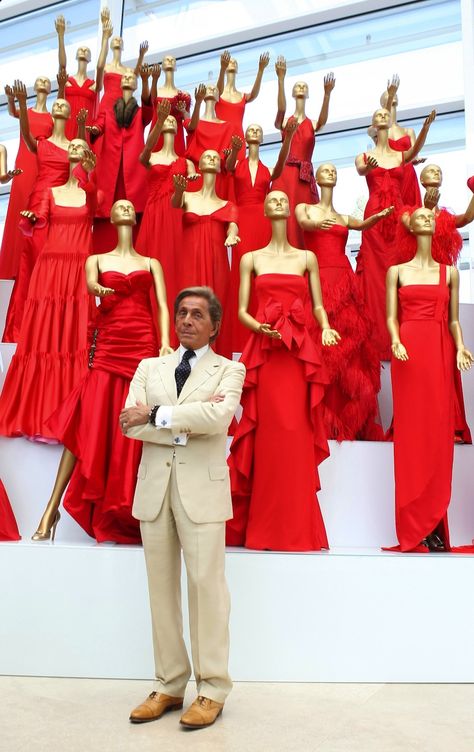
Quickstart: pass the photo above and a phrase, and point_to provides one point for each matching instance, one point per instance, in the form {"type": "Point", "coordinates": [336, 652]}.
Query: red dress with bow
{"type": "Point", "coordinates": [179, 143]}
{"type": "Point", "coordinates": [297, 179]}
{"type": "Point", "coordinates": [350, 408]}
{"type": "Point", "coordinates": [378, 250]}
{"type": "Point", "coordinates": [102, 486]}
{"type": "Point", "coordinates": [280, 439]}
{"type": "Point", "coordinates": [80, 96]}
{"type": "Point", "coordinates": [410, 187]}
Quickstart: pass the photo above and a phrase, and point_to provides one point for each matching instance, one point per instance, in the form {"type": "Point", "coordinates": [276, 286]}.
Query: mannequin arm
{"type": "Point", "coordinates": [464, 219]}
{"type": "Point", "coordinates": [329, 84]}
{"type": "Point", "coordinates": [19, 90]}
{"type": "Point", "coordinates": [392, 88]}
{"type": "Point", "coordinates": [464, 358]}
{"type": "Point", "coordinates": [12, 110]}
{"type": "Point", "coordinates": [414, 150]}
{"type": "Point", "coordinates": [107, 31]}
{"type": "Point", "coordinates": [141, 55]}
{"type": "Point", "coordinates": [246, 270]}
{"type": "Point", "coordinates": [92, 278]}
{"type": "Point", "coordinates": [364, 163]}
{"type": "Point", "coordinates": [262, 64]}
{"type": "Point", "coordinates": [225, 57]}
{"type": "Point", "coordinates": [393, 326]}
{"type": "Point", "coordinates": [144, 72]}
{"type": "Point", "coordinates": [178, 199]}
{"type": "Point", "coordinates": [60, 25]}
{"type": "Point", "coordinates": [155, 69]}
{"type": "Point", "coordinates": [366, 224]}
{"type": "Point", "coordinates": [163, 313]}
{"type": "Point", "coordinates": [199, 93]}
{"type": "Point", "coordinates": [236, 144]}
{"type": "Point", "coordinates": [329, 336]}
{"type": "Point", "coordinates": [284, 150]}
{"type": "Point", "coordinates": [280, 68]}
{"type": "Point", "coordinates": [162, 110]}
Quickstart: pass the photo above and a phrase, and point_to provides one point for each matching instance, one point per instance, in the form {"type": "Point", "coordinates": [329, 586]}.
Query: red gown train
{"type": "Point", "coordinates": [350, 408]}
{"type": "Point", "coordinates": [233, 112]}
{"type": "Point", "coordinates": [280, 439]}
{"type": "Point", "coordinates": [41, 126]}
{"type": "Point", "coordinates": [179, 142]}
{"type": "Point", "coordinates": [102, 486]}
{"type": "Point", "coordinates": [410, 187]}
{"type": "Point", "coordinates": [8, 526]}
{"type": "Point", "coordinates": [51, 357]}
{"type": "Point", "coordinates": [80, 96]}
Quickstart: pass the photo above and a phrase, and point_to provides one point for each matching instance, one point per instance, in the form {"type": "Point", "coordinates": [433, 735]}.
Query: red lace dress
{"type": "Point", "coordinates": [102, 486]}
{"type": "Point", "coordinates": [410, 187]}
{"type": "Point", "coordinates": [350, 408]}
{"type": "Point", "coordinates": [8, 526]}
{"type": "Point", "coordinates": [41, 126]}
{"type": "Point", "coordinates": [51, 357]}
{"type": "Point", "coordinates": [209, 135]}
{"type": "Point", "coordinates": [280, 439]}
{"type": "Point", "coordinates": [204, 260]}
{"type": "Point", "coordinates": [179, 143]}
{"type": "Point", "coordinates": [53, 170]}
{"type": "Point", "coordinates": [233, 112]}
{"type": "Point", "coordinates": [297, 179]}
{"type": "Point", "coordinates": [377, 251]}
{"type": "Point", "coordinates": [80, 96]}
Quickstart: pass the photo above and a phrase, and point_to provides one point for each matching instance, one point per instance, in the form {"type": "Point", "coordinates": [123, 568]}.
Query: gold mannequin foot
{"type": "Point", "coordinates": [50, 532]}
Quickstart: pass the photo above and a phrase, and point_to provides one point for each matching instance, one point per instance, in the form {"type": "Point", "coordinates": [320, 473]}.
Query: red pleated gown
{"type": "Point", "coordinates": [410, 189]}
{"type": "Point", "coordinates": [80, 96]}
{"type": "Point", "coordinates": [8, 526]}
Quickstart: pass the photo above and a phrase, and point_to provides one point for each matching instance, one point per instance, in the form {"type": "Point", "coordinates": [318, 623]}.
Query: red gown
{"type": "Point", "coordinates": [350, 408]}
{"type": "Point", "coordinates": [378, 251]}
{"type": "Point", "coordinates": [280, 439]}
{"type": "Point", "coordinates": [297, 179]}
{"type": "Point", "coordinates": [112, 90]}
{"type": "Point", "coordinates": [233, 112]}
{"type": "Point", "coordinates": [423, 414]}
{"type": "Point", "coordinates": [204, 261]}
{"type": "Point", "coordinates": [255, 231]}
{"type": "Point", "coordinates": [102, 486]}
{"type": "Point", "coordinates": [53, 170]}
{"type": "Point", "coordinates": [209, 135]}
{"type": "Point", "coordinates": [80, 96]}
{"type": "Point", "coordinates": [8, 526]}
{"type": "Point", "coordinates": [179, 144]}
{"type": "Point", "coordinates": [51, 357]}
{"type": "Point", "coordinates": [41, 126]}
{"type": "Point", "coordinates": [410, 188]}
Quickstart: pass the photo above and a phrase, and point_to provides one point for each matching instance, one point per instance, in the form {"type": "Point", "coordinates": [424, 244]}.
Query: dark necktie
{"type": "Point", "coordinates": [183, 370]}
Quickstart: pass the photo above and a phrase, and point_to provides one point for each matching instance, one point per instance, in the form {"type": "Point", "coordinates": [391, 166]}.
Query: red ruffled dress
{"type": "Point", "coordinates": [280, 439]}
{"type": "Point", "coordinates": [102, 486]}
{"type": "Point", "coordinates": [297, 179]}
{"type": "Point", "coordinates": [8, 526]}
{"type": "Point", "coordinates": [210, 135]}
{"type": "Point", "coordinates": [233, 112]}
{"type": "Point", "coordinates": [350, 408]}
{"type": "Point", "coordinates": [80, 96]}
{"type": "Point", "coordinates": [179, 143]}
{"type": "Point", "coordinates": [410, 187]}
{"type": "Point", "coordinates": [51, 357]}
{"type": "Point", "coordinates": [41, 126]}
{"type": "Point", "coordinates": [378, 249]}
{"type": "Point", "coordinates": [53, 170]}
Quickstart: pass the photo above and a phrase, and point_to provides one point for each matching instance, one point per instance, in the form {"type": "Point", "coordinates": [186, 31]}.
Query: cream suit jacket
{"type": "Point", "coordinates": [201, 468]}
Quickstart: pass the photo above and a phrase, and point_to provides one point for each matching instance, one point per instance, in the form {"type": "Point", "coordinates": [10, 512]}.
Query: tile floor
{"type": "Point", "coordinates": [85, 715]}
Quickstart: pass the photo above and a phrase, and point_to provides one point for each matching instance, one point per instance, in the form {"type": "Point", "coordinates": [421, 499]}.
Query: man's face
{"type": "Point", "coordinates": [193, 323]}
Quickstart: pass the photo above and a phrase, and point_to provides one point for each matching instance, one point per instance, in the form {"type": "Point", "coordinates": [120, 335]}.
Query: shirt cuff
{"type": "Point", "coordinates": [163, 419]}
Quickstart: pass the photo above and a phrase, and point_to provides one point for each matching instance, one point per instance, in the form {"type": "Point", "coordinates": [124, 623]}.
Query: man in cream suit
{"type": "Point", "coordinates": [180, 406]}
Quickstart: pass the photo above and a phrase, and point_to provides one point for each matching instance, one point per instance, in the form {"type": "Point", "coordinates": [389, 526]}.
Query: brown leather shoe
{"type": "Point", "coordinates": [203, 712]}
{"type": "Point", "coordinates": [155, 705]}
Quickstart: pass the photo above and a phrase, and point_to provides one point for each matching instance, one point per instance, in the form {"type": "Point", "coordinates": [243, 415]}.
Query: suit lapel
{"type": "Point", "coordinates": [203, 370]}
{"type": "Point", "coordinates": [167, 367]}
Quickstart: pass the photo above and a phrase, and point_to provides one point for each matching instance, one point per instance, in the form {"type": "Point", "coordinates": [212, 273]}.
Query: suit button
{"type": "Point", "coordinates": [168, 464]}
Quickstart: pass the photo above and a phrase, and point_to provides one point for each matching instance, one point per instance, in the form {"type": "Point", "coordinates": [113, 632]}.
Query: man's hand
{"type": "Point", "coordinates": [134, 416]}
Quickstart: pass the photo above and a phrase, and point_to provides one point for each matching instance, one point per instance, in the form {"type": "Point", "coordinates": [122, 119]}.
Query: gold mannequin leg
{"type": "Point", "coordinates": [51, 515]}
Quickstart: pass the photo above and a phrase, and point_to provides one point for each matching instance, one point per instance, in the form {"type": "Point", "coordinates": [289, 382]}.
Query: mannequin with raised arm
{"type": "Point", "coordinates": [427, 346]}
{"type": "Point", "coordinates": [114, 71]}
{"type": "Point", "coordinates": [280, 439]}
{"type": "Point", "coordinates": [383, 168]}
{"type": "Point", "coordinates": [179, 100]}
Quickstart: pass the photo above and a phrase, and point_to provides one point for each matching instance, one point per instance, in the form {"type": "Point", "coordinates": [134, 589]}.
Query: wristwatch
{"type": "Point", "coordinates": [152, 415]}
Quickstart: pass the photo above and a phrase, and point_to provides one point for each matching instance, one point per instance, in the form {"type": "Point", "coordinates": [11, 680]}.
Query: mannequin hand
{"type": "Point", "coordinates": [155, 69]}
{"type": "Point", "coordinates": [268, 331]}
{"type": "Point", "coordinates": [88, 160]}
{"type": "Point", "coordinates": [180, 183]}
{"type": "Point", "coordinates": [216, 398]}
{"type": "Point", "coordinates": [61, 77]}
{"type": "Point", "coordinates": [19, 91]}
{"type": "Point", "coordinates": [165, 350]}
{"type": "Point", "coordinates": [225, 59]}
{"type": "Point", "coordinates": [104, 15]}
{"type": "Point", "coordinates": [280, 67]}
{"type": "Point", "coordinates": [371, 163]}
{"type": "Point", "coordinates": [9, 92]}
{"type": "Point", "coordinates": [330, 337]}
{"type": "Point", "coordinates": [325, 224]}
{"type": "Point", "coordinates": [399, 352]}
{"type": "Point", "coordinates": [290, 128]}
{"type": "Point", "coordinates": [162, 111]}
{"type": "Point", "coordinates": [199, 93]}
{"type": "Point", "coordinates": [431, 198]}
{"type": "Point", "coordinates": [102, 291]}
{"type": "Point", "coordinates": [418, 160]}
{"type": "Point", "coordinates": [236, 143]}
{"type": "Point", "coordinates": [107, 29]}
{"type": "Point", "coordinates": [81, 116]}
{"type": "Point", "coordinates": [144, 71]}
{"type": "Point", "coordinates": [181, 106]}
{"type": "Point", "coordinates": [429, 119]}
{"type": "Point", "coordinates": [385, 212]}
{"type": "Point", "coordinates": [9, 175]}
{"type": "Point", "coordinates": [464, 359]}
{"type": "Point", "coordinates": [392, 86]}
{"type": "Point", "coordinates": [143, 49]}
{"type": "Point", "coordinates": [60, 25]}
{"type": "Point", "coordinates": [231, 240]}
{"type": "Point", "coordinates": [263, 60]}
{"type": "Point", "coordinates": [329, 83]}
{"type": "Point", "coordinates": [134, 416]}
{"type": "Point", "coordinates": [93, 129]}
{"type": "Point", "coordinates": [29, 215]}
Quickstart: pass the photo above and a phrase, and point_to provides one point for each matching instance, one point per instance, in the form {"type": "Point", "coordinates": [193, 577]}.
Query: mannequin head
{"type": "Point", "coordinates": [431, 176]}
{"type": "Point", "coordinates": [123, 213]}
{"type": "Point", "coordinates": [384, 100]}
{"type": "Point", "coordinates": [254, 134]}
{"type": "Point", "coordinates": [169, 62]}
{"type": "Point", "coordinates": [43, 85]}
{"type": "Point", "coordinates": [116, 43]}
{"type": "Point", "coordinates": [277, 205]}
{"type": "Point", "coordinates": [232, 66]}
{"type": "Point", "coordinates": [300, 90]}
{"type": "Point", "coordinates": [210, 161]}
{"type": "Point", "coordinates": [83, 53]}
{"type": "Point", "coordinates": [60, 110]}
{"type": "Point", "coordinates": [326, 175]}
{"type": "Point", "coordinates": [422, 222]}
{"type": "Point", "coordinates": [75, 150]}
{"type": "Point", "coordinates": [212, 92]}
{"type": "Point", "coordinates": [170, 125]}
{"type": "Point", "coordinates": [381, 119]}
{"type": "Point", "coordinates": [128, 81]}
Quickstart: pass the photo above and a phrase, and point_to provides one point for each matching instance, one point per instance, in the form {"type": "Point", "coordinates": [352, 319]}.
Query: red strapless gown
{"type": "Point", "coordinates": [233, 112]}
{"type": "Point", "coordinates": [80, 96]}
{"type": "Point", "coordinates": [377, 251]}
{"type": "Point", "coordinates": [297, 179]}
{"type": "Point", "coordinates": [53, 170]}
{"type": "Point", "coordinates": [255, 231]}
{"type": "Point", "coordinates": [204, 261]}
{"type": "Point", "coordinates": [179, 144]}
{"type": "Point", "coordinates": [280, 439]}
{"type": "Point", "coordinates": [51, 357]}
{"type": "Point", "coordinates": [423, 414]}
{"type": "Point", "coordinates": [411, 195]}
{"type": "Point", "coordinates": [215, 136]}
{"type": "Point", "coordinates": [8, 526]}
{"type": "Point", "coordinates": [102, 486]}
{"type": "Point", "coordinates": [41, 126]}
{"type": "Point", "coordinates": [350, 408]}
{"type": "Point", "coordinates": [112, 90]}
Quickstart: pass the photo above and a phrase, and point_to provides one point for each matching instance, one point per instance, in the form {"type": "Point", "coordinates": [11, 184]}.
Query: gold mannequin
{"type": "Point", "coordinates": [254, 137]}
{"type": "Point", "coordinates": [424, 270]}
{"type": "Point", "coordinates": [42, 89]}
{"type": "Point", "coordinates": [128, 84]}
{"type": "Point", "coordinates": [228, 72]}
{"type": "Point", "coordinates": [300, 94]}
{"type": "Point", "coordinates": [116, 45]}
{"type": "Point", "coordinates": [169, 88]}
{"type": "Point", "coordinates": [210, 95]}
{"type": "Point", "coordinates": [279, 257]}
{"type": "Point", "coordinates": [382, 155]}
{"type": "Point", "coordinates": [165, 125]}
{"type": "Point", "coordinates": [431, 178]}
{"type": "Point", "coordinates": [323, 215]}
{"type": "Point", "coordinates": [5, 174]}
{"type": "Point", "coordinates": [83, 54]}
{"type": "Point", "coordinates": [206, 201]}
{"type": "Point", "coordinates": [389, 101]}
{"type": "Point", "coordinates": [60, 112]}
{"type": "Point", "coordinates": [123, 259]}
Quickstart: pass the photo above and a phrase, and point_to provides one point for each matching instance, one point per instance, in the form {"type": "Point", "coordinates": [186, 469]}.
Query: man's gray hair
{"type": "Point", "coordinates": [215, 307]}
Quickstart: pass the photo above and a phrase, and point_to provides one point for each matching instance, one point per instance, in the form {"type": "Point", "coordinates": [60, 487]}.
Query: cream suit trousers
{"type": "Point", "coordinates": [203, 546]}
